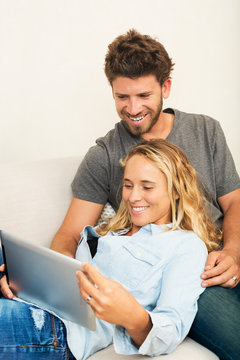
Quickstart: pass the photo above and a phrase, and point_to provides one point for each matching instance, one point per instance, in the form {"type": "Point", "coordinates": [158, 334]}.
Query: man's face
{"type": "Point", "coordinates": [138, 102]}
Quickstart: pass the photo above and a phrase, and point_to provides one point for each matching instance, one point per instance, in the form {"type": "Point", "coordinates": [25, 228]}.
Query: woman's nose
{"type": "Point", "coordinates": [135, 195]}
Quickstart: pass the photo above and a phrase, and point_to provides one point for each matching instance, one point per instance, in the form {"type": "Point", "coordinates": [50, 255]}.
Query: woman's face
{"type": "Point", "coordinates": [145, 193]}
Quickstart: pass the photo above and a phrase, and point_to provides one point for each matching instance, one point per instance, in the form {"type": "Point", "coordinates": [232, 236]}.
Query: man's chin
{"type": "Point", "coordinates": [135, 130]}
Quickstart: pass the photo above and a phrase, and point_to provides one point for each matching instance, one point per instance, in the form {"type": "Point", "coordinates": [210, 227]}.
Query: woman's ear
{"type": "Point", "coordinates": [176, 195]}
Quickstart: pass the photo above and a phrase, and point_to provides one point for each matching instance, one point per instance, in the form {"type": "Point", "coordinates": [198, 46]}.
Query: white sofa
{"type": "Point", "coordinates": [34, 198]}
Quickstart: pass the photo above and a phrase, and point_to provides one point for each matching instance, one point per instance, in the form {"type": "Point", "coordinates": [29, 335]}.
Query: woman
{"type": "Point", "coordinates": [144, 280]}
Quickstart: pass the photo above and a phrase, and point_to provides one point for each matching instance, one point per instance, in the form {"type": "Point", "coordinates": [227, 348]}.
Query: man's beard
{"type": "Point", "coordinates": [138, 130]}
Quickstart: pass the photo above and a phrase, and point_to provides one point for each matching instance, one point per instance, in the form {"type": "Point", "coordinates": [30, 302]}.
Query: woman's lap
{"type": "Point", "coordinates": [27, 331]}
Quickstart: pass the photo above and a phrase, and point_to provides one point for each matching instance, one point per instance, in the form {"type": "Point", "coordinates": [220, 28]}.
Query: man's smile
{"type": "Point", "coordinates": [136, 118]}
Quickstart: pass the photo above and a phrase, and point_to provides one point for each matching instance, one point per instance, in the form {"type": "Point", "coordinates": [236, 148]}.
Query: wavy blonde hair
{"type": "Point", "coordinates": [188, 204]}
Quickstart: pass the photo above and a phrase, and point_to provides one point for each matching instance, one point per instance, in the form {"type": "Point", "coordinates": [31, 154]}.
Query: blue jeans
{"type": "Point", "coordinates": [217, 324]}
{"type": "Point", "coordinates": [27, 332]}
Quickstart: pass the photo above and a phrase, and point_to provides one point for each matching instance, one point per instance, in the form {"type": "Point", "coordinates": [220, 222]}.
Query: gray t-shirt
{"type": "Point", "coordinates": [99, 176]}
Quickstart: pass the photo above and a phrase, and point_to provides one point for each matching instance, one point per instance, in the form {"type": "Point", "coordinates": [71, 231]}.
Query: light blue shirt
{"type": "Point", "coordinates": [161, 269]}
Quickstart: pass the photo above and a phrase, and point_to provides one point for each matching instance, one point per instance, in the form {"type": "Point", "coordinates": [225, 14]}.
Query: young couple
{"type": "Point", "coordinates": [144, 281]}
{"type": "Point", "coordinates": [138, 69]}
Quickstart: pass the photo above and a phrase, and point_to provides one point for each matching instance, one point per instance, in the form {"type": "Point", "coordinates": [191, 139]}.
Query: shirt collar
{"type": "Point", "coordinates": [152, 228]}
{"type": "Point", "coordinates": [156, 229]}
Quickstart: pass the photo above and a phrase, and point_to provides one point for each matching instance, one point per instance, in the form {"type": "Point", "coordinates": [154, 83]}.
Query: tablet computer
{"type": "Point", "coordinates": [46, 278]}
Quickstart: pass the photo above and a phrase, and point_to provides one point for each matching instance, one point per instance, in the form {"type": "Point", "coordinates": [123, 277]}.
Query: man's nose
{"type": "Point", "coordinates": [134, 107]}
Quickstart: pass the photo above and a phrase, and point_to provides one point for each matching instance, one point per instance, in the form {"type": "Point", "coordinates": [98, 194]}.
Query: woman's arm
{"type": "Point", "coordinates": [178, 285]}
{"type": "Point", "coordinates": [111, 302]}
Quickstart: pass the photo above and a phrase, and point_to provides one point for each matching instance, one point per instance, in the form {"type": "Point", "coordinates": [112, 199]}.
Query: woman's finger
{"type": "Point", "coordinates": [5, 289]}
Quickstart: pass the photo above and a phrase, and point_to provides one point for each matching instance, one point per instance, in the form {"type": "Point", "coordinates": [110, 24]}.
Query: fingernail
{"type": "Point", "coordinates": [203, 276]}
{"type": "Point", "coordinates": [208, 267]}
{"type": "Point", "coordinates": [205, 284]}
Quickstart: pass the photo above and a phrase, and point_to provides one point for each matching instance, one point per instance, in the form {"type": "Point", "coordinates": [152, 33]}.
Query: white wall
{"type": "Point", "coordinates": [54, 98]}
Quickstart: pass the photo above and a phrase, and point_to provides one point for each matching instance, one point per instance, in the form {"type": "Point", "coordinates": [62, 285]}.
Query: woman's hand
{"type": "Point", "coordinates": [5, 289]}
{"type": "Point", "coordinates": [111, 302]}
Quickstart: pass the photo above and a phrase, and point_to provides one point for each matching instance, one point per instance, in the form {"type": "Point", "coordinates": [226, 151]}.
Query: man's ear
{"type": "Point", "coordinates": [166, 88]}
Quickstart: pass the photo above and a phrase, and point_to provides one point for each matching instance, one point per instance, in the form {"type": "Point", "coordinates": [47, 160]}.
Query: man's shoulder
{"type": "Point", "coordinates": [194, 133]}
{"type": "Point", "coordinates": [195, 119]}
{"type": "Point", "coordinates": [116, 142]}
{"type": "Point", "coordinates": [114, 135]}
{"type": "Point", "coordinates": [112, 146]}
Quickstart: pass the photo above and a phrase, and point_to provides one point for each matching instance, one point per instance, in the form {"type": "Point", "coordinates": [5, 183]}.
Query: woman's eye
{"type": "Point", "coordinates": [127, 186]}
{"type": "Point", "coordinates": [147, 187]}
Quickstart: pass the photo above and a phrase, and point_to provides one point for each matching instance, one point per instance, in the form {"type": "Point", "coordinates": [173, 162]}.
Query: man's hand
{"type": "Point", "coordinates": [5, 289]}
{"type": "Point", "coordinates": [221, 268]}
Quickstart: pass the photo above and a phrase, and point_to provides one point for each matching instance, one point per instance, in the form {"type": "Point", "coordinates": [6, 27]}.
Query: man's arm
{"type": "Point", "coordinates": [80, 214]}
{"type": "Point", "coordinates": [223, 265]}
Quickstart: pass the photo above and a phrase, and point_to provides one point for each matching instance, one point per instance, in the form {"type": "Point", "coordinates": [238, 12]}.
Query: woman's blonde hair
{"type": "Point", "coordinates": [188, 204]}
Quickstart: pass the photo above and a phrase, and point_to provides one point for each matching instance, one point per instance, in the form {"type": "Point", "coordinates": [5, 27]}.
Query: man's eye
{"type": "Point", "coordinates": [144, 95]}
{"type": "Point", "coordinates": [121, 96]}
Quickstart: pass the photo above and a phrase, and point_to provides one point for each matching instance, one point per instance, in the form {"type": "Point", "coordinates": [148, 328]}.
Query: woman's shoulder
{"type": "Point", "coordinates": [190, 243]}
{"type": "Point", "coordinates": [179, 239]}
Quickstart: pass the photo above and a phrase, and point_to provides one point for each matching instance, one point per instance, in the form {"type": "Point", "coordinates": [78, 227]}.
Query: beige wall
{"type": "Point", "coordinates": [54, 98]}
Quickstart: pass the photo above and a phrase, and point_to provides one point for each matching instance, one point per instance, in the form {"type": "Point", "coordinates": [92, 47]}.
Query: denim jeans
{"type": "Point", "coordinates": [27, 332]}
{"type": "Point", "coordinates": [23, 335]}
{"type": "Point", "coordinates": [217, 324]}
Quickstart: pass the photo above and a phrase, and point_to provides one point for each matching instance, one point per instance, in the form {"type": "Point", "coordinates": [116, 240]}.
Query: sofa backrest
{"type": "Point", "coordinates": [34, 197]}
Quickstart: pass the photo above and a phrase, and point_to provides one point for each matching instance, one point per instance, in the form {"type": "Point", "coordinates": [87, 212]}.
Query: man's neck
{"type": "Point", "coordinates": [162, 128]}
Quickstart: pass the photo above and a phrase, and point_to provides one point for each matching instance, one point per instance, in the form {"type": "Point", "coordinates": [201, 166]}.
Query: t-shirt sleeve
{"type": "Point", "coordinates": [226, 176]}
{"type": "Point", "coordinates": [91, 182]}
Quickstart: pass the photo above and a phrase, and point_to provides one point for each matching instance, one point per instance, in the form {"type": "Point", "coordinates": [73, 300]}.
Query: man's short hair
{"type": "Point", "coordinates": [133, 55]}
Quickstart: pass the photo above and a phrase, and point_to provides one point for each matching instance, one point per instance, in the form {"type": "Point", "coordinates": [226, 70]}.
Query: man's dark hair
{"type": "Point", "coordinates": [133, 55]}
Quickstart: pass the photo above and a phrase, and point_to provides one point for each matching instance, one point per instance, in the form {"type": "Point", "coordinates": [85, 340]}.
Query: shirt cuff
{"type": "Point", "coordinates": [162, 339]}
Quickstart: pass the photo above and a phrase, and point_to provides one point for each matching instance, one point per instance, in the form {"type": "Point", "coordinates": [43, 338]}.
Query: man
{"type": "Point", "coordinates": [138, 69]}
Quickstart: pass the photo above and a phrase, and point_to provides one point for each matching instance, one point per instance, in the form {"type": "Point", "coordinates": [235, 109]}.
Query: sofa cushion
{"type": "Point", "coordinates": [187, 350]}
{"type": "Point", "coordinates": [34, 197]}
